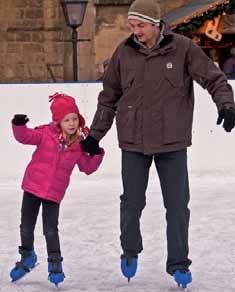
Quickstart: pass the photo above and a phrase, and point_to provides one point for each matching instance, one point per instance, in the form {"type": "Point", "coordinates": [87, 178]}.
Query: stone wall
{"type": "Point", "coordinates": [31, 36]}
{"type": "Point", "coordinates": [36, 43]}
{"type": "Point", "coordinates": [110, 29]}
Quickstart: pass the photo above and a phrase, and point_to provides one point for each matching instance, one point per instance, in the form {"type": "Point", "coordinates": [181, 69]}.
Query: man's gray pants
{"type": "Point", "coordinates": [173, 175]}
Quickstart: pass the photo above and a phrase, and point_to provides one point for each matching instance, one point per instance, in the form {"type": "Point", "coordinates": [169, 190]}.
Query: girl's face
{"type": "Point", "coordinates": [70, 123]}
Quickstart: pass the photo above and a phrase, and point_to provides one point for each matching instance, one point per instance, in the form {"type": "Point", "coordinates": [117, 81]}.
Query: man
{"type": "Point", "coordinates": [149, 88]}
{"type": "Point", "coordinates": [229, 65]}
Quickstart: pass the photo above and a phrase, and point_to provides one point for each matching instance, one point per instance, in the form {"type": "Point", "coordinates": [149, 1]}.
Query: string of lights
{"type": "Point", "coordinates": [194, 22]}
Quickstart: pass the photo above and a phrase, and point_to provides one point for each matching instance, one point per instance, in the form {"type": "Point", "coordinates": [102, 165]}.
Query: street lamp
{"type": "Point", "coordinates": [74, 12]}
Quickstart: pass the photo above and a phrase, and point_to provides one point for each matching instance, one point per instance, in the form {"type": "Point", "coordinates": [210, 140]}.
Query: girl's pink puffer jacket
{"type": "Point", "coordinates": [48, 173]}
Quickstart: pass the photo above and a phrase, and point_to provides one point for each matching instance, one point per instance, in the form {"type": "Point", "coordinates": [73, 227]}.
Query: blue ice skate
{"type": "Point", "coordinates": [25, 265]}
{"type": "Point", "coordinates": [182, 278]}
{"type": "Point", "coordinates": [55, 270]}
{"type": "Point", "coordinates": [129, 266]}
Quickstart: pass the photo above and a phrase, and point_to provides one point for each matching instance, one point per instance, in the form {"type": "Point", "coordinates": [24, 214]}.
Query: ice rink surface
{"type": "Point", "coordinates": [89, 219]}
{"type": "Point", "coordinates": [89, 232]}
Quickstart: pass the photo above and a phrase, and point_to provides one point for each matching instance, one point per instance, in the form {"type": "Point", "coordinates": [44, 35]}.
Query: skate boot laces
{"type": "Point", "coordinates": [55, 270]}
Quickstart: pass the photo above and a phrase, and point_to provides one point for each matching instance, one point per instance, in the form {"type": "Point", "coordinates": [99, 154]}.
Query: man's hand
{"type": "Point", "coordinates": [20, 120]}
{"type": "Point", "coordinates": [90, 145]}
{"type": "Point", "coordinates": [228, 116]}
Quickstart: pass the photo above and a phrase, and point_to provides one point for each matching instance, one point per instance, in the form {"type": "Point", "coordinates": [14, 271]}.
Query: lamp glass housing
{"type": "Point", "coordinates": [74, 12]}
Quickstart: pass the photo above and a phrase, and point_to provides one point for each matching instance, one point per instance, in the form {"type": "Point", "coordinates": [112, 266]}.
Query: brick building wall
{"type": "Point", "coordinates": [35, 43]}
{"type": "Point", "coordinates": [31, 36]}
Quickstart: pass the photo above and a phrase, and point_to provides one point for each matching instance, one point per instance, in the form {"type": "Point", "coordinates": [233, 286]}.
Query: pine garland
{"type": "Point", "coordinates": [197, 22]}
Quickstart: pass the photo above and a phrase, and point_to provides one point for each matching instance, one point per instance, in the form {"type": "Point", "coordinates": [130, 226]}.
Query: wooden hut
{"type": "Point", "coordinates": [210, 24]}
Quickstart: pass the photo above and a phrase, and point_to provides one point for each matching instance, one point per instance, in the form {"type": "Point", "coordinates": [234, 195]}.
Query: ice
{"type": "Point", "coordinates": [89, 219]}
{"type": "Point", "coordinates": [89, 232]}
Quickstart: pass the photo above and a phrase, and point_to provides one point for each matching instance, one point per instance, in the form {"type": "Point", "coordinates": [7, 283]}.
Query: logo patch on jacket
{"type": "Point", "coordinates": [169, 65]}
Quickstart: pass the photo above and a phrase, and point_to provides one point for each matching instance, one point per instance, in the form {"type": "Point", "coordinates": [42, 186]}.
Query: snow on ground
{"type": "Point", "coordinates": [89, 231]}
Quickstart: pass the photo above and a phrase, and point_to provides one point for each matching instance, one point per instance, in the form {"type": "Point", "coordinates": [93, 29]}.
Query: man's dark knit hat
{"type": "Point", "coordinates": [145, 10]}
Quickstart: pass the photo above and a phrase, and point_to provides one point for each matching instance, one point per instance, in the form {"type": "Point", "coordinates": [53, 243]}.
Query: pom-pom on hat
{"type": "Point", "coordinates": [62, 105]}
{"type": "Point", "coordinates": [146, 11]}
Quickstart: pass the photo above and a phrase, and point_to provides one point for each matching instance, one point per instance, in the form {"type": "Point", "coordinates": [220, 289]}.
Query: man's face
{"type": "Point", "coordinates": [145, 32]}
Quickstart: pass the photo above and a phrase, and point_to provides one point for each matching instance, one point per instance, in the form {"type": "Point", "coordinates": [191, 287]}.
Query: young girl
{"type": "Point", "coordinates": [47, 177]}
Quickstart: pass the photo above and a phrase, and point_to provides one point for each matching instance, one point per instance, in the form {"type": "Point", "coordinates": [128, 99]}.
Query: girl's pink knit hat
{"type": "Point", "coordinates": [62, 105]}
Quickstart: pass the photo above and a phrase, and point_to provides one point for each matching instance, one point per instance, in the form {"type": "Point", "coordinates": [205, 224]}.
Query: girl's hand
{"type": "Point", "coordinates": [90, 145]}
{"type": "Point", "coordinates": [20, 120]}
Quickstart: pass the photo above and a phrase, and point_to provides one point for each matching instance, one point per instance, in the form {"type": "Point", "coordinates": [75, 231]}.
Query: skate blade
{"type": "Point", "coordinates": [181, 288]}
{"type": "Point", "coordinates": [15, 281]}
{"type": "Point", "coordinates": [56, 285]}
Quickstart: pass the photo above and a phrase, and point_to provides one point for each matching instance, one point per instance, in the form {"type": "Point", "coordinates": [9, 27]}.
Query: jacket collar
{"type": "Point", "coordinates": [165, 45]}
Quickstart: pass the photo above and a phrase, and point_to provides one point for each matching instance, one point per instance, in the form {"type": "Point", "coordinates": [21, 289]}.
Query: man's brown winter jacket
{"type": "Point", "coordinates": [151, 94]}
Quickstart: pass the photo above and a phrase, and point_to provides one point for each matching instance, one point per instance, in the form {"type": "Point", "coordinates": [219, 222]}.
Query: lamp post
{"type": "Point", "coordinates": [74, 12]}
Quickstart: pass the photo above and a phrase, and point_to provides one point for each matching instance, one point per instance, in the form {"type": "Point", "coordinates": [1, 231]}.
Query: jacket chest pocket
{"type": "Point", "coordinates": [128, 79]}
{"type": "Point", "coordinates": [173, 74]}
